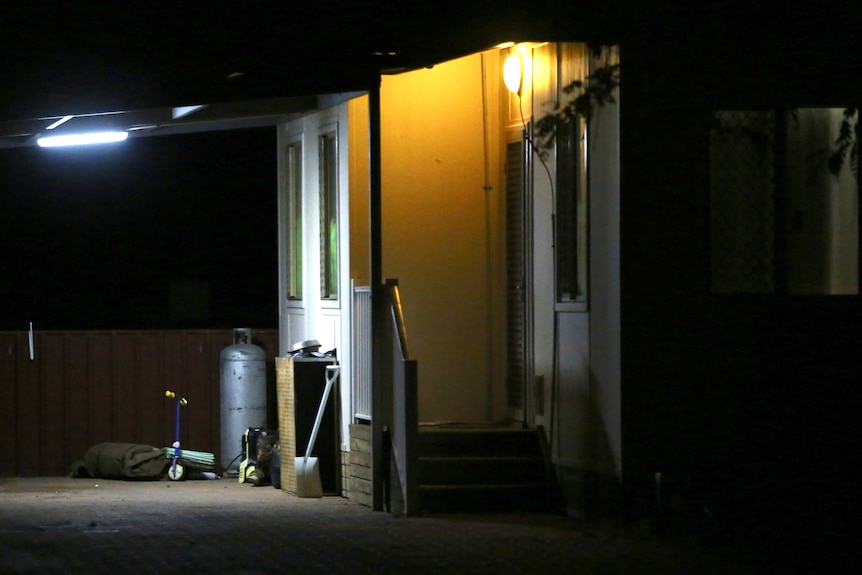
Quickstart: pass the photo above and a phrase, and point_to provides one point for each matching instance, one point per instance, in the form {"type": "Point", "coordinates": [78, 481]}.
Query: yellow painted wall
{"type": "Point", "coordinates": [360, 264]}
{"type": "Point", "coordinates": [441, 234]}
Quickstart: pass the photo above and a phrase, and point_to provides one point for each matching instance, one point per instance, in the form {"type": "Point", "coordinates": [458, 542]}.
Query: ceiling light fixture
{"type": "Point", "coordinates": [81, 139]}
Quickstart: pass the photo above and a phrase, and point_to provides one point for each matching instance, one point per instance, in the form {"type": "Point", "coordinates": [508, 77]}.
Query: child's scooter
{"type": "Point", "coordinates": [176, 471]}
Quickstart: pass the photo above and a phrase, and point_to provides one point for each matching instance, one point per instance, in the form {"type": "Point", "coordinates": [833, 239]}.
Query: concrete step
{"type": "Point", "coordinates": [480, 442]}
{"type": "Point", "coordinates": [466, 470]}
{"type": "Point", "coordinates": [506, 470]}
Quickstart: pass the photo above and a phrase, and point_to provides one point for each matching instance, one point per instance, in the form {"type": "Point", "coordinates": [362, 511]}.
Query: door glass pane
{"type": "Point", "coordinates": [294, 219]}
{"type": "Point", "coordinates": [328, 217]}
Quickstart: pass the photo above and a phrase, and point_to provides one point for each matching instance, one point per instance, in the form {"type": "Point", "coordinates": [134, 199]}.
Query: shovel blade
{"type": "Point", "coordinates": [308, 477]}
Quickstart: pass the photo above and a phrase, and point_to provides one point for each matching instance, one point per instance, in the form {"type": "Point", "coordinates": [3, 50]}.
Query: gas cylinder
{"type": "Point", "coordinates": [243, 395]}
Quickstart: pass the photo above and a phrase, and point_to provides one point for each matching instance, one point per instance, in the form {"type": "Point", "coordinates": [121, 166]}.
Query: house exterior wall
{"type": "Point", "coordinates": [445, 242]}
{"type": "Point", "coordinates": [438, 228]}
{"type": "Point", "coordinates": [577, 345]}
{"type": "Point", "coordinates": [605, 375]}
{"type": "Point", "coordinates": [745, 402]}
{"type": "Point", "coordinates": [538, 93]}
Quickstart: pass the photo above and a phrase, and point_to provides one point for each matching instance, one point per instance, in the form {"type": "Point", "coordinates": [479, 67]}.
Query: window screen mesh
{"type": "Point", "coordinates": [742, 202]}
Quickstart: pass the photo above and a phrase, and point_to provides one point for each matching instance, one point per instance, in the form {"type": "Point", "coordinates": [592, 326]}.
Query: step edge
{"type": "Point", "coordinates": [461, 458]}
{"type": "Point", "coordinates": [482, 486]}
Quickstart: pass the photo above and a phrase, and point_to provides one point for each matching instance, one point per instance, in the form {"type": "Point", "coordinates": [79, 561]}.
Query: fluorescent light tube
{"type": "Point", "coordinates": [59, 122]}
{"type": "Point", "coordinates": [182, 111]}
{"type": "Point", "coordinates": [79, 139]}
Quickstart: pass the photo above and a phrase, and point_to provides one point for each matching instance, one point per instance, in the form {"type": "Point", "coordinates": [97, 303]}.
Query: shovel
{"type": "Point", "coordinates": [307, 470]}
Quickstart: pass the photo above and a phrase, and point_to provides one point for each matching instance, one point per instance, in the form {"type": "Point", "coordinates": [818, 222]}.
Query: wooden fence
{"type": "Point", "coordinates": [83, 388]}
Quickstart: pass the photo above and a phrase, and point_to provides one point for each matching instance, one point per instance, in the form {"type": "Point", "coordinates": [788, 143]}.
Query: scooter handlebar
{"type": "Point", "coordinates": [182, 400]}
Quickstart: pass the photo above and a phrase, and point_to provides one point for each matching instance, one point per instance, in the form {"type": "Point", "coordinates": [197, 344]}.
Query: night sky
{"type": "Point", "coordinates": [94, 237]}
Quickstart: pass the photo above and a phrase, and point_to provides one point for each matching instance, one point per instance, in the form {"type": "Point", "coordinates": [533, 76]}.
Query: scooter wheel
{"type": "Point", "coordinates": [176, 472]}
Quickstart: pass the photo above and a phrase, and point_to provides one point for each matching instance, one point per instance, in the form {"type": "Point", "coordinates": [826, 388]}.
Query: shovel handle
{"type": "Point", "coordinates": [332, 372]}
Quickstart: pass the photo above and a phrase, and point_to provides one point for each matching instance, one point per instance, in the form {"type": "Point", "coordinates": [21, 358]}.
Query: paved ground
{"type": "Point", "coordinates": [64, 525]}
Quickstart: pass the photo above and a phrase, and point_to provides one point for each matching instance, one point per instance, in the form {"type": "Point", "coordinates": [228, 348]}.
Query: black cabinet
{"type": "Point", "coordinates": [309, 377]}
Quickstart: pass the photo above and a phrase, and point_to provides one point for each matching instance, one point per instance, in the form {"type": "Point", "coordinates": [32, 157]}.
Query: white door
{"type": "Point", "coordinates": [313, 229]}
{"type": "Point", "coordinates": [314, 257]}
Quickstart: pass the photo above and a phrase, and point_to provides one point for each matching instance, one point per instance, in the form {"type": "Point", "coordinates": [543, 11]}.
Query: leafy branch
{"type": "Point", "coordinates": [846, 144]}
{"type": "Point", "coordinates": [581, 99]}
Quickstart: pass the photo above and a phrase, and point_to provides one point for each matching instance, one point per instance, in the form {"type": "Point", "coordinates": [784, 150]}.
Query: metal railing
{"type": "Point", "coordinates": [403, 421]}
{"type": "Point", "coordinates": [395, 420]}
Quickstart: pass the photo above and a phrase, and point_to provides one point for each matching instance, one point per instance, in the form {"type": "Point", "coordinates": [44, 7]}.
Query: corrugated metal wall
{"type": "Point", "coordinates": [84, 388]}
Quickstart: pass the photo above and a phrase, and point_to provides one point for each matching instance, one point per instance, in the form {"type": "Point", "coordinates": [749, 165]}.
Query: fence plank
{"type": "Point", "coordinates": [100, 357]}
{"type": "Point", "coordinates": [200, 388]}
{"type": "Point", "coordinates": [156, 412]}
{"type": "Point", "coordinates": [8, 403]}
{"type": "Point", "coordinates": [77, 408]}
{"type": "Point", "coordinates": [51, 429]}
{"type": "Point", "coordinates": [218, 341]}
{"type": "Point", "coordinates": [29, 398]}
{"type": "Point", "coordinates": [125, 413]}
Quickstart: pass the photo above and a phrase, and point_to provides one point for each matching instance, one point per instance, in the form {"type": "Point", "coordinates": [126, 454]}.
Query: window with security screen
{"type": "Point", "coordinates": [783, 219]}
{"type": "Point", "coordinates": [742, 202]}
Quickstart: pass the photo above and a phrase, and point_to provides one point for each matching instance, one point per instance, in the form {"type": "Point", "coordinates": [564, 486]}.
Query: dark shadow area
{"type": "Point", "coordinates": [153, 233]}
